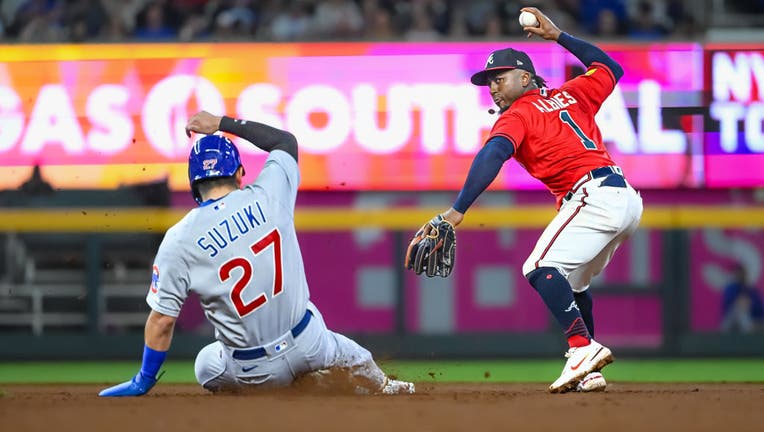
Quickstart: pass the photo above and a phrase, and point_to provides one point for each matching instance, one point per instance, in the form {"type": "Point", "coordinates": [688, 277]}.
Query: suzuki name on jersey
{"type": "Point", "coordinates": [557, 102]}
{"type": "Point", "coordinates": [231, 229]}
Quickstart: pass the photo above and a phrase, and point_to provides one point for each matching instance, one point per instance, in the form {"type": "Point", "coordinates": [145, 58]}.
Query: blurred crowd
{"type": "Point", "coordinates": [306, 20]}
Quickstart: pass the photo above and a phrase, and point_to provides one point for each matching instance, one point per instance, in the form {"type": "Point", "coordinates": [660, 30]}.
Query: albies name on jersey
{"type": "Point", "coordinates": [554, 103]}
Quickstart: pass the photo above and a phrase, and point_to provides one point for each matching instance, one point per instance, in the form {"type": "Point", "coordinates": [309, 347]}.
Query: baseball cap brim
{"type": "Point", "coordinates": [481, 78]}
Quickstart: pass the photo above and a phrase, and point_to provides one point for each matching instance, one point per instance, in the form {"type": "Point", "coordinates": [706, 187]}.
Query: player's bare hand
{"type": "Point", "coordinates": [546, 29]}
{"type": "Point", "coordinates": [453, 216]}
{"type": "Point", "coordinates": [203, 122]}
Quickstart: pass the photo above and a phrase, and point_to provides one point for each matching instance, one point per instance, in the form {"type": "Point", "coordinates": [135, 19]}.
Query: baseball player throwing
{"type": "Point", "coordinates": [552, 134]}
{"type": "Point", "coordinates": [238, 251]}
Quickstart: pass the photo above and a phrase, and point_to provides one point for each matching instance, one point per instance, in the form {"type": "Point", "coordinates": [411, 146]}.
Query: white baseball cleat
{"type": "Point", "coordinates": [593, 382]}
{"type": "Point", "coordinates": [581, 361]}
{"type": "Point", "coordinates": [396, 387]}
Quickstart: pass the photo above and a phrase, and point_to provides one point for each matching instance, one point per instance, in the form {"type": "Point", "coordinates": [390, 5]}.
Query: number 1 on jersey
{"type": "Point", "coordinates": [243, 309]}
{"type": "Point", "coordinates": [585, 140]}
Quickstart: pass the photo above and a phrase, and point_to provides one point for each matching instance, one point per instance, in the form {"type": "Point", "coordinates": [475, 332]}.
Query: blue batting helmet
{"type": "Point", "coordinates": [212, 156]}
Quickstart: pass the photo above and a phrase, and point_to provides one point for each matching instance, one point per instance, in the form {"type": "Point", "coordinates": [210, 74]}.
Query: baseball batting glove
{"type": "Point", "coordinates": [138, 386]}
{"type": "Point", "coordinates": [433, 249]}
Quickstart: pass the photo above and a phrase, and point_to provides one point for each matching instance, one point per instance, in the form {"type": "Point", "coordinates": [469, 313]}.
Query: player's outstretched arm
{"type": "Point", "coordinates": [583, 50]}
{"type": "Point", "coordinates": [261, 135]}
{"type": "Point", "coordinates": [484, 169]}
{"type": "Point", "coordinates": [433, 248]}
{"type": "Point", "coordinates": [158, 336]}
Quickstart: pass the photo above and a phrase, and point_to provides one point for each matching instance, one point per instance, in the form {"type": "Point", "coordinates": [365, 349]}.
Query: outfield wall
{"type": "Point", "coordinates": [661, 295]}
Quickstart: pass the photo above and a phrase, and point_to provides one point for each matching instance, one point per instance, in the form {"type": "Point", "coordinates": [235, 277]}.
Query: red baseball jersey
{"type": "Point", "coordinates": [553, 130]}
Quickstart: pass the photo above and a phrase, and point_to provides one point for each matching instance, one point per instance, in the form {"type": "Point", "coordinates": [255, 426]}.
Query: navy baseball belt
{"type": "Point", "coordinates": [598, 173]}
{"type": "Point", "coordinates": [256, 353]}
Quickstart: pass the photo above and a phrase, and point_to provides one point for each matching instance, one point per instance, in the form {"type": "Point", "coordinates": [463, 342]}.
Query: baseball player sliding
{"type": "Point", "coordinates": [238, 251]}
{"type": "Point", "coordinates": [552, 134]}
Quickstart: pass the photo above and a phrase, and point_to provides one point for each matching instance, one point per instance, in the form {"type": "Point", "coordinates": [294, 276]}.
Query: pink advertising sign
{"type": "Point", "coordinates": [388, 116]}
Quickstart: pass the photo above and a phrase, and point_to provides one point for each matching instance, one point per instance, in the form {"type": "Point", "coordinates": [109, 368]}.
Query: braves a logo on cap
{"type": "Point", "coordinates": [154, 279]}
{"type": "Point", "coordinates": [209, 164]}
{"type": "Point", "coordinates": [519, 63]}
{"type": "Point", "coordinates": [489, 61]}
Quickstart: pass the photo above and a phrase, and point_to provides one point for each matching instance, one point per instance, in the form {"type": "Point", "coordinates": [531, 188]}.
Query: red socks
{"type": "Point", "coordinates": [577, 341]}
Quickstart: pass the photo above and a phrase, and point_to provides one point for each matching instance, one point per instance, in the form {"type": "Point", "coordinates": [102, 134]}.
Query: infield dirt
{"type": "Point", "coordinates": [436, 407]}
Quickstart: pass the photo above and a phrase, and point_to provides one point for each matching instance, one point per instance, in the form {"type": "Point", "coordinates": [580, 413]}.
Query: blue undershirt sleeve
{"type": "Point", "coordinates": [485, 167]}
{"type": "Point", "coordinates": [589, 53]}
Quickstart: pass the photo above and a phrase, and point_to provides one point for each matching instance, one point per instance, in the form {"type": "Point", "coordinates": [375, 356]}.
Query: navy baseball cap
{"type": "Point", "coordinates": [506, 58]}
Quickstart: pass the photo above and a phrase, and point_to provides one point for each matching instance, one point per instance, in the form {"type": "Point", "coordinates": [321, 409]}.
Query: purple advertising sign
{"type": "Point", "coordinates": [734, 143]}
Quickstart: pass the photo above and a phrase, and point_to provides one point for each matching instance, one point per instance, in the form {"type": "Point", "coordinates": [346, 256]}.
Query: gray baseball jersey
{"type": "Point", "coordinates": [240, 255]}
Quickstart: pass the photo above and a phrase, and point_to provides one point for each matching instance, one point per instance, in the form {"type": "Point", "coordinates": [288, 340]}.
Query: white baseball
{"type": "Point", "coordinates": [527, 19]}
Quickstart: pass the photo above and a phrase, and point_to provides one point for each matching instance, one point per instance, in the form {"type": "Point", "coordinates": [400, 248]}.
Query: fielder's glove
{"type": "Point", "coordinates": [433, 249]}
{"type": "Point", "coordinates": [138, 386]}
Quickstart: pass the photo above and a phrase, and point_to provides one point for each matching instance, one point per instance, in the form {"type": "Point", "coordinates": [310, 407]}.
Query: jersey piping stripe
{"type": "Point", "coordinates": [557, 234]}
{"type": "Point", "coordinates": [599, 65]}
{"type": "Point", "coordinates": [509, 138]}
{"type": "Point", "coordinates": [581, 182]}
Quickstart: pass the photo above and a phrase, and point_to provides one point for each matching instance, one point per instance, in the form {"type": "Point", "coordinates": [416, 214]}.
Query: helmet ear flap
{"type": "Point", "coordinates": [195, 193]}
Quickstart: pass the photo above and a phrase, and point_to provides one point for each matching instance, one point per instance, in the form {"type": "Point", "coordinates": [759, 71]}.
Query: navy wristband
{"type": "Point", "coordinates": [152, 361]}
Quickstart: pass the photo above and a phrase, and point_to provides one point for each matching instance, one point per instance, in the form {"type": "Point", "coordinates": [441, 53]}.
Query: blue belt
{"type": "Point", "coordinates": [255, 353]}
{"type": "Point", "coordinates": [599, 173]}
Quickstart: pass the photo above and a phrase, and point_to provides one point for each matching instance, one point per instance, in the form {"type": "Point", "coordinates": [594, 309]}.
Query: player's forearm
{"type": "Point", "coordinates": [263, 136]}
{"type": "Point", "coordinates": [158, 331]}
{"type": "Point", "coordinates": [589, 53]}
{"type": "Point", "coordinates": [485, 167]}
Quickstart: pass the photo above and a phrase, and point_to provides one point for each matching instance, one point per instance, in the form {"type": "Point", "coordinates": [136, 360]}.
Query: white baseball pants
{"type": "Point", "coordinates": [288, 358]}
{"type": "Point", "coordinates": [582, 238]}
